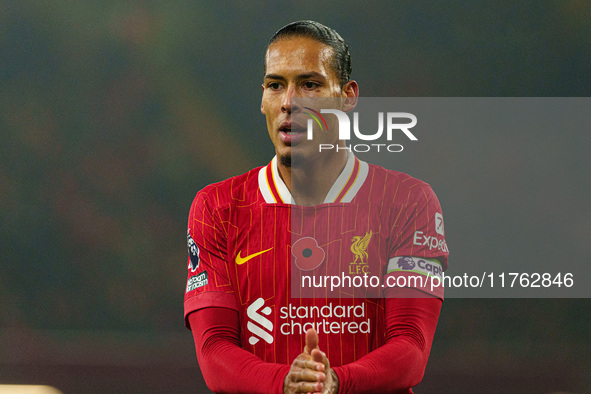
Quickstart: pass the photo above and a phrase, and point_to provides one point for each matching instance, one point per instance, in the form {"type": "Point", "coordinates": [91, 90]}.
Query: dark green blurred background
{"type": "Point", "coordinates": [114, 113]}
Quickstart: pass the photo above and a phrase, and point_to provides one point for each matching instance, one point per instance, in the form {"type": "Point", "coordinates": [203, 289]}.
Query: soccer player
{"type": "Point", "coordinates": [248, 236]}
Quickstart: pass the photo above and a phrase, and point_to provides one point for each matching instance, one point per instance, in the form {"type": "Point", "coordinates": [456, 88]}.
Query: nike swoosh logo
{"type": "Point", "coordinates": [242, 260]}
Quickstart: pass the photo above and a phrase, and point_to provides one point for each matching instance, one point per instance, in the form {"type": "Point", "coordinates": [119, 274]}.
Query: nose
{"type": "Point", "coordinates": [287, 104]}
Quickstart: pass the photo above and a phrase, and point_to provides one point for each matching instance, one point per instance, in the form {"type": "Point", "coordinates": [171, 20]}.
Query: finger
{"type": "Point", "coordinates": [309, 363]}
{"type": "Point", "coordinates": [320, 357]}
{"type": "Point", "coordinates": [307, 375]}
{"type": "Point", "coordinates": [311, 340]}
{"type": "Point", "coordinates": [303, 357]}
{"type": "Point", "coordinates": [306, 387]}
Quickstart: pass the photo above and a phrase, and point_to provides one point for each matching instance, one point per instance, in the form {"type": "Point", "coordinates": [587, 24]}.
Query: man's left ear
{"type": "Point", "coordinates": [350, 94]}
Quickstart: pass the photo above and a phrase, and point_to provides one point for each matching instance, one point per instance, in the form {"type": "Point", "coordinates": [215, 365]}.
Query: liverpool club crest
{"type": "Point", "coordinates": [359, 247]}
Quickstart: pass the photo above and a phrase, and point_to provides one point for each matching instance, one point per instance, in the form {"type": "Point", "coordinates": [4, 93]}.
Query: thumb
{"type": "Point", "coordinates": [311, 341]}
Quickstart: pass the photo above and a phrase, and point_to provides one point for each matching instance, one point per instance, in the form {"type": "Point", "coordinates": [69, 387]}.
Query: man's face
{"type": "Point", "coordinates": [297, 67]}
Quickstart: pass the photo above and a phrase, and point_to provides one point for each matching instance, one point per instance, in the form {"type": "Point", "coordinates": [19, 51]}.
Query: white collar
{"type": "Point", "coordinates": [344, 189]}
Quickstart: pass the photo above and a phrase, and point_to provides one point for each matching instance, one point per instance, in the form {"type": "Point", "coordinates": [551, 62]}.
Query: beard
{"type": "Point", "coordinates": [292, 160]}
{"type": "Point", "coordinates": [285, 160]}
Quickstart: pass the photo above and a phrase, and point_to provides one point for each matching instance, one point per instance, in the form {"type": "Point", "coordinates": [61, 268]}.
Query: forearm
{"type": "Point", "coordinates": [226, 367]}
{"type": "Point", "coordinates": [391, 368]}
{"type": "Point", "coordinates": [400, 363]}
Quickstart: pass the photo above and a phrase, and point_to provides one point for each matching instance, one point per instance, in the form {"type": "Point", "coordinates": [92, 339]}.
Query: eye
{"type": "Point", "coordinates": [311, 85]}
{"type": "Point", "coordinates": [273, 85]}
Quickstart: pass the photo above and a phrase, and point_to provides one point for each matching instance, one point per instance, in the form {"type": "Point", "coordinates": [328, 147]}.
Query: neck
{"type": "Point", "coordinates": [309, 183]}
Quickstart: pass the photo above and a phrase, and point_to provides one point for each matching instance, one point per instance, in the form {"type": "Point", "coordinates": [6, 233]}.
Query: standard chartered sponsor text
{"type": "Point", "coordinates": [295, 314]}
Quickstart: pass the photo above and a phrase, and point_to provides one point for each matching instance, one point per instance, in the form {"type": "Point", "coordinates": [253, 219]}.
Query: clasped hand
{"type": "Point", "coordinates": [310, 372]}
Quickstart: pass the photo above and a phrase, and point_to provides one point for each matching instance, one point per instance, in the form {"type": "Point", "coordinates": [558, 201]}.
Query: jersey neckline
{"type": "Point", "coordinates": [343, 190]}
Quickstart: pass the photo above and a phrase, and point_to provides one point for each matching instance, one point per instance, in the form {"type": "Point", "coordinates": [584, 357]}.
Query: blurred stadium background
{"type": "Point", "coordinates": [114, 113]}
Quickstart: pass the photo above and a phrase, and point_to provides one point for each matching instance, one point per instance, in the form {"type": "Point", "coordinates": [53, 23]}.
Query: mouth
{"type": "Point", "coordinates": [291, 133]}
{"type": "Point", "coordinates": [289, 127]}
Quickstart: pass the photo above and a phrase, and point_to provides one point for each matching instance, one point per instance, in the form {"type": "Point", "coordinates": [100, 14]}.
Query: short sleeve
{"type": "Point", "coordinates": [208, 279]}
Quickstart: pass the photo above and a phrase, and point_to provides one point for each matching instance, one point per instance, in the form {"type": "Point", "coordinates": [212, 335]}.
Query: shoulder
{"type": "Point", "coordinates": [400, 185]}
{"type": "Point", "coordinates": [239, 190]}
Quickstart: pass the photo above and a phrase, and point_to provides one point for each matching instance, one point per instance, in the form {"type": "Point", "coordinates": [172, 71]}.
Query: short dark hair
{"type": "Point", "coordinates": [324, 34]}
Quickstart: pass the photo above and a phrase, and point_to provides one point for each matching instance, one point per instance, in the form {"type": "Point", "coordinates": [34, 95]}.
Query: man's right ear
{"type": "Point", "coordinates": [262, 108]}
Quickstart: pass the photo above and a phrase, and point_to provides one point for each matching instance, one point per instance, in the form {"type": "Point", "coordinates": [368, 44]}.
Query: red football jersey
{"type": "Point", "coordinates": [274, 262]}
